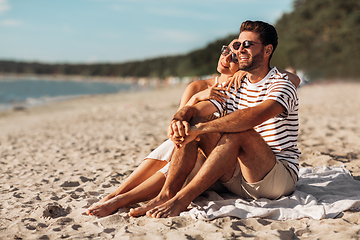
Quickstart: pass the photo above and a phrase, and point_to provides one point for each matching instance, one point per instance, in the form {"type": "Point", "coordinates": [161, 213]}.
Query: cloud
{"type": "Point", "coordinates": [173, 35]}
{"type": "Point", "coordinates": [163, 8]}
{"type": "Point", "coordinates": [120, 8]}
{"type": "Point", "coordinates": [183, 13]}
{"type": "Point", "coordinates": [10, 22]}
{"type": "Point", "coordinates": [92, 59]}
{"type": "Point", "coordinates": [4, 6]}
{"type": "Point", "coordinates": [67, 28]}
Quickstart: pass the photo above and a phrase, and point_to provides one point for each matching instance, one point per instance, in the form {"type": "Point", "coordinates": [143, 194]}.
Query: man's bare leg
{"type": "Point", "coordinates": [178, 171]}
{"type": "Point", "coordinates": [256, 160]}
{"type": "Point", "coordinates": [182, 163]}
{"type": "Point", "coordinates": [143, 192]}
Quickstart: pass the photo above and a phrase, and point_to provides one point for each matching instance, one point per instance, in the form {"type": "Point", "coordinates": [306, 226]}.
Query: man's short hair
{"type": "Point", "coordinates": [267, 33]}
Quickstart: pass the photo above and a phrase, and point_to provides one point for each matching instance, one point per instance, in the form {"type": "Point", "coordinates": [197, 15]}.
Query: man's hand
{"type": "Point", "coordinates": [177, 130]}
{"type": "Point", "coordinates": [181, 133]}
{"type": "Point", "coordinates": [193, 134]}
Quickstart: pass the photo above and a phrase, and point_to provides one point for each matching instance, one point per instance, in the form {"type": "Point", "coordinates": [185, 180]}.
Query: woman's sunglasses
{"type": "Point", "coordinates": [246, 44]}
{"type": "Point", "coordinates": [225, 50]}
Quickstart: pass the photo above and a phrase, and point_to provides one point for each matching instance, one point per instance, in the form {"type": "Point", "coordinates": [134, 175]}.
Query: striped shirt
{"type": "Point", "coordinates": [279, 132]}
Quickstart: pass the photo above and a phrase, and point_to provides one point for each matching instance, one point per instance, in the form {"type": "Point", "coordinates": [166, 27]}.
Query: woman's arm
{"type": "Point", "coordinates": [292, 77]}
{"type": "Point", "coordinates": [192, 89]}
{"type": "Point", "coordinates": [212, 92]}
{"type": "Point", "coordinates": [202, 90]}
{"type": "Point", "coordinates": [236, 79]}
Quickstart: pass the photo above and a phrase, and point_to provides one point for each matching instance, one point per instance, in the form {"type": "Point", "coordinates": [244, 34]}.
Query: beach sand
{"type": "Point", "coordinates": [58, 159]}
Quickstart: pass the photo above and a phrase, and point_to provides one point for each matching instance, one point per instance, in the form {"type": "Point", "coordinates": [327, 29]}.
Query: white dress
{"type": "Point", "coordinates": [163, 153]}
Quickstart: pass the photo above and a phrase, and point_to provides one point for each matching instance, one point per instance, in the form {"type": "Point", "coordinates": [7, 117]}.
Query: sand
{"type": "Point", "coordinates": [56, 160]}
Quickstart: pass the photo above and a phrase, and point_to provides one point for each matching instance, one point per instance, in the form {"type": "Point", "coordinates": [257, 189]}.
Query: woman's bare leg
{"type": "Point", "coordinates": [145, 170]}
{"type": "Point", "coordinates": [146, 190]}
{"type": "Point", "coordinates": [182, 165]}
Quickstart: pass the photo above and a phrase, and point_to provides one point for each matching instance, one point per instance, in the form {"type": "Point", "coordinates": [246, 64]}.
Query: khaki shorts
{"type": "Point", "coordinates": [280, 181]}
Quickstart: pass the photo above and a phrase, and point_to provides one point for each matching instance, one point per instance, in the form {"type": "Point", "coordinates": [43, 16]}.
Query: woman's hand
{"type": "Point", "coordinates": [213, 92]}
{"type": "Point", "coordinates": [235, 79]}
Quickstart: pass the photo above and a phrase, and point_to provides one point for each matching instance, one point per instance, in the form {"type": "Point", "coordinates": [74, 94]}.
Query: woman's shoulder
{"type": "Point", "coordinates": [292, 77]}
{"type": "Point", "coordinates": [204, 83]}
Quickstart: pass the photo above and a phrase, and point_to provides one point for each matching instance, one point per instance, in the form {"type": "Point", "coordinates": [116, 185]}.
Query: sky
{"type": "Point", "coordinates": [115, 31]}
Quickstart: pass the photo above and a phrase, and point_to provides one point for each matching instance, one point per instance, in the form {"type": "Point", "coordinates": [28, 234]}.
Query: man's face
{"type": "Point", "coordinates": [250, 58]}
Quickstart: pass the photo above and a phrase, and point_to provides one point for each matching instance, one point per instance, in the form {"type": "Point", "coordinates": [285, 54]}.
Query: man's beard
{"type": "Point", "coordinates": [256, 62]}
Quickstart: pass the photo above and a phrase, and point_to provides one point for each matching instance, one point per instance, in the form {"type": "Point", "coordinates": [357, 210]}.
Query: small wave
{"type": "Point", "coordinates": [33, 102]}
{"type": "Point", "coordinates": [22, 94]}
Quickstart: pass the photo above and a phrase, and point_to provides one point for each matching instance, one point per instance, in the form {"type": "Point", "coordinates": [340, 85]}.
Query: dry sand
{"type": "Point", "coordinates": [55, 160]}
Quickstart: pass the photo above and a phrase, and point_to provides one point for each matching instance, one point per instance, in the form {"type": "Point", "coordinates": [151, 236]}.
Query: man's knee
{"type": "Point", "coordinates": [208, 142]}
{"type": "Point", "coordinates": [241, 137]}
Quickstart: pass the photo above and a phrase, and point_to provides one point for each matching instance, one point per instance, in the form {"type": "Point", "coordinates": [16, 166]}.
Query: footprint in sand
{"type": "Point", "coordinates": [70, 184]}
{"type": "Point", "coordinates": [55, 210]}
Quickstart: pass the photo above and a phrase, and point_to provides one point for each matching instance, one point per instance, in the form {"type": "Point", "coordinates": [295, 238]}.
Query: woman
{"type": "Point", "coordinates": [147, 180]}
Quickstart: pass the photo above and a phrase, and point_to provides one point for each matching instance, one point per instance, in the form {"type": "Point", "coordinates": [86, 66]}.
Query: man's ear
{"type": "Point", "coordinates": [268, 50]}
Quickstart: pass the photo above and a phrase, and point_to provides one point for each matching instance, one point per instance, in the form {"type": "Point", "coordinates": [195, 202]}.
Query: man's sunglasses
{"type": "Point", "coordinates": [225, 50]}
{"type": "Point", "coordinates": [246, 44]}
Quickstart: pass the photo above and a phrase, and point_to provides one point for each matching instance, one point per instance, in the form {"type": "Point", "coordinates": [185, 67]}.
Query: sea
{"type": "Point", "coordinates": [19, 94]}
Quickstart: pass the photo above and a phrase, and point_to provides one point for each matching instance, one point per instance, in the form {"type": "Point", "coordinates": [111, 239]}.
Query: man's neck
{"type": "Point", "coordinates": [258, 74]}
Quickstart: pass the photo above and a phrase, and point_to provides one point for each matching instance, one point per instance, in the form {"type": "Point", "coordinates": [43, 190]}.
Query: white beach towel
{"type": "Point", "coordinates": [322, 192]}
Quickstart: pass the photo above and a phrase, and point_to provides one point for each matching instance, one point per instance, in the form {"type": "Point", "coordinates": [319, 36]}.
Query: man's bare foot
{"type": "Point", "coordinates": [103, 209]}
{"type": "Point", "coordinates": [170, 208]}
{"type": "Point", "coordinates": [140, 211]}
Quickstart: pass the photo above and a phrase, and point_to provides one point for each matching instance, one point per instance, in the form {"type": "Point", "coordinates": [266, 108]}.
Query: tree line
{"type": "Point", "coordinates": [196, 63]}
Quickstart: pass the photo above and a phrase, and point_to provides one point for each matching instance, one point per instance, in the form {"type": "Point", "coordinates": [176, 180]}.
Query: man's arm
{"type": "Point", "coordinates": [238, 121]}
{"type": "Point", "coordinates": [244, 119]}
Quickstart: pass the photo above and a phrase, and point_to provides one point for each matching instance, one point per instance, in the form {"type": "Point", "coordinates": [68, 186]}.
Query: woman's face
{"type": "Point", "coordinates": [227, 64]}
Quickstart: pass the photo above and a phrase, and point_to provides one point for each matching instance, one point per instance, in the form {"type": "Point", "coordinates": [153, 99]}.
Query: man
{"type": "Point", "coordinates": [252, 150]}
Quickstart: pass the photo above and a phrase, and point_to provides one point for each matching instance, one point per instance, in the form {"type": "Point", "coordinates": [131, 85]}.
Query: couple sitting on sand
{"type": "Point", "coordinates": [236, 132]}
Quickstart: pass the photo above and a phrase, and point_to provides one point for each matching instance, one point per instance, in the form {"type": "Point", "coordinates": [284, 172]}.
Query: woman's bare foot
{"type": "Point", "coordinates": [103, 209]}
{"type": "Point", "coordinates": [103, 200]}
{"type": "Point", "coordinates": [170, 208]}
{"type": "Point", "coordinates": [140, 211]}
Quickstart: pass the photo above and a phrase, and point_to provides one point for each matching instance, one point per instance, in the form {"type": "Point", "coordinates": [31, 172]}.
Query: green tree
{"type": "Point", "coordinates": [321, 37]}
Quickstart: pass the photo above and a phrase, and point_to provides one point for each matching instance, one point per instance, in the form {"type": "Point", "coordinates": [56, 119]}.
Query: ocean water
{"type": "Point", "coordinates": [23, 93]}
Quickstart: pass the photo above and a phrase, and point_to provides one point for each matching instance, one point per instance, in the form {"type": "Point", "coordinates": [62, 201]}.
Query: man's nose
{"type": "Point", "coordinates": [240, 51]}
{"type": "Point", "coordinates": [241, 48]}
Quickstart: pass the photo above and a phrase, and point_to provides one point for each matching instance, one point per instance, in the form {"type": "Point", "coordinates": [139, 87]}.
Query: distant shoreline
{"type": "Point", "coordinates": [60, 77]}
{"type": "Point", "coordinates": [22, 102]}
